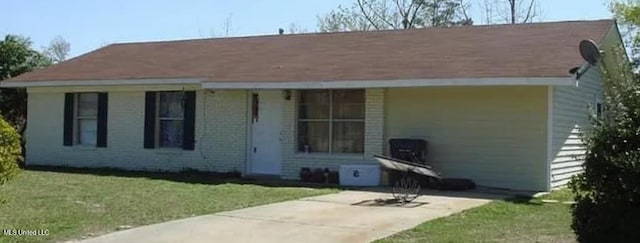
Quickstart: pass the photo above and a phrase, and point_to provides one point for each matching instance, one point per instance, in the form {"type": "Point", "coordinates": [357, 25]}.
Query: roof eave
{"type": "Point", "coordinates": [398, 83]}
{"type": "Point", "coordinates": [101, 82]}
{"type": "Point", "coordinates": [343, 84]}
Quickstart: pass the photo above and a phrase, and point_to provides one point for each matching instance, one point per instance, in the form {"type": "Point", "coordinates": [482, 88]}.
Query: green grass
{"type": "Point", "coordinates": [73, 205]}
{"type": "Point", "coordinates": [511, 220]}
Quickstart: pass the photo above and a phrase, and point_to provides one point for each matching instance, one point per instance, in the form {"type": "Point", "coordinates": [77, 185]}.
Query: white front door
{"type": "Point", "coordinates": [266, 131]}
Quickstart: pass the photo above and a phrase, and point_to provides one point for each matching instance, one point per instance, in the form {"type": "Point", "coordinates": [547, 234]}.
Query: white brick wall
{"type": "Point", "coordinates": [220, 132]}
{"type": "Point", "coordinates": [374, 124]}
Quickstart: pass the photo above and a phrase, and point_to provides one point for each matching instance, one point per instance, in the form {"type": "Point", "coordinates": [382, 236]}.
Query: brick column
{"type": "Point", "coordinates": [374, 123]}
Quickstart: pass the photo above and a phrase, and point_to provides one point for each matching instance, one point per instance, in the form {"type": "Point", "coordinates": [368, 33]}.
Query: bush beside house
{"type": "Point", "coordinates": [10, 151]}
{"type": "Point", "coordinates": [607, 194]}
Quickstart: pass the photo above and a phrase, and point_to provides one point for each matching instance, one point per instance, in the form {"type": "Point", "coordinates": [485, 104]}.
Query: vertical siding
{"type": "Point", "coordinates": [220, 133]}
{"type": "Point", "coordinates": [293, 160]}
{"type": "Point", "coordinates": [493, 135]}
{"type": "Point", "coordinates": [570, 119]}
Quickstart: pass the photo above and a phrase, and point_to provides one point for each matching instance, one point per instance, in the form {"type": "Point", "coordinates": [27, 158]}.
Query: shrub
{"type": "Point", "coordinates": [607, 193]}
{"type": "Point", "coordinates": [10, 151]}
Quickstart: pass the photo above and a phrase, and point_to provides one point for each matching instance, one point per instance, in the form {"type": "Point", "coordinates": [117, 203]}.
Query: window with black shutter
{"type": "Point", "coordinates": [85, 119]}
{"type": "Point", "coordinates": [170, 120]}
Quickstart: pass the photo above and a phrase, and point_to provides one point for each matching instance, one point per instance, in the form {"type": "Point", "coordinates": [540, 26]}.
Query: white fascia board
{"type": "Point", "coordinates": [25, 84]}
{"type": "Point", "coordinates": [550, 124]}
{"type": "Point", "coordinates": [546, 81]}
{"type": "Point", "coordinates": [543, 81]}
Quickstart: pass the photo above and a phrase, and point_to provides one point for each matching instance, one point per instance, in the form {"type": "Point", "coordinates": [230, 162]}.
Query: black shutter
{"type": "Point", "coordinates": [150, 120]}
{"type": "Point", "coordinates": [68, 119]}
{"type": "Point", "coordinates": [189, 124]}
{"type": "Point", "coordinates": [103, 106]}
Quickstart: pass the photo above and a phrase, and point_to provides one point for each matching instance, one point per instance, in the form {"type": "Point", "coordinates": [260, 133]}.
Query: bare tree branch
{"type": "Point", "coordinates": [364, 13]}
{"type": "Point", "coordinates": [383, 17]}
{"type": "Point", "coordinates": [488, 12]}
{"type": "Point", "coordinates": [510, 11]}
{"type": "Point", "coordinates": [415, 13]}
{"type": "Point", "coordinates": [227, 25]}
{"type": "Point", "coordinates": [400, 9]}
{"type": "Point", "coordinates": [58, 49]}
{"type": "Point", "coordinates": [395, 14]}
{"type": "Point", "coordinates": [296, 29]}
{"type": "Point", "coordinates": [463, 9]}
{"type": "Point", "coordinates": [530, 11]}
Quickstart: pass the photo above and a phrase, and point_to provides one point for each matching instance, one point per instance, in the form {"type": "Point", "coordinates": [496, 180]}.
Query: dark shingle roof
{"type": "Point", "coordinates": [523, 50]}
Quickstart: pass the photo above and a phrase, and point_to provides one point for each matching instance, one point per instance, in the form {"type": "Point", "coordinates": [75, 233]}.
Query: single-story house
{"type": "Point", "coordinates": [496, 104]}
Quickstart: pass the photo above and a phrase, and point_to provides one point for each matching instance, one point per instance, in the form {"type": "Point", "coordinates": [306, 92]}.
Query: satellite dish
{"type": "Point", "coordinates": [590, 52]}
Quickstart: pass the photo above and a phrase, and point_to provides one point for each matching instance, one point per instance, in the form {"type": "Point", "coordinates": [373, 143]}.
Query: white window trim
{"type": "Point", "coordinates": [158, 119]}
{"type": "Point", "coordinates": [330, 120]}
{"type": "Point", "coordinates": [77, 118]}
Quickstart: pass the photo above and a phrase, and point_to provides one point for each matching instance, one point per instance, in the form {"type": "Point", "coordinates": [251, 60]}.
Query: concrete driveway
{"type": "Point", "coordinates": [348, 216]}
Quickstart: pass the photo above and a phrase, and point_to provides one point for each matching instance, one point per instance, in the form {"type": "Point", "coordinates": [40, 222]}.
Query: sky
{"type": "Point", "coordinates": [90, 24]}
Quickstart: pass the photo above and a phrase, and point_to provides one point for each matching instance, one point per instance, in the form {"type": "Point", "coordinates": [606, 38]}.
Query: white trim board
{"type": "Point", "coordinates": [105, 82]}
{"type": "Point", "coordinates": [550, 81]}
{"type": "Point", "coordinates": [114, 88]}
{"type": "Point", "coordinates": [550, 155]}
{"type": "Point", "coordinates": [529, 81]}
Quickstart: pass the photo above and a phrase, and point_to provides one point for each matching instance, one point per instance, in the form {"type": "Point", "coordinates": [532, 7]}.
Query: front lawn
{"type": "Point", "coordinates": [76, 205]}
{"type": "Point", "coordinates": [512, 220]}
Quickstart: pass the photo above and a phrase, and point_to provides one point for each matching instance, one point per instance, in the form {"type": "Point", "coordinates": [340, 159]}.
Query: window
{"type": "Point", "coordinates": [600, 108]}
{"type": "Point", "coordinates": [87, 118]}
{"type": "Point", "coordinates": [170, 119]}
{"type": "Point", "coordinates": [331, 121]}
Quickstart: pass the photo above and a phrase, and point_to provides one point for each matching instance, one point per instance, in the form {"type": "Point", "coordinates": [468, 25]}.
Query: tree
{"type": "Point", "coordinates": [395, 14]}
{"type": "Point", "coordinates": [628, 15]}
{"type": "Point", "coordinates": [17, 57]}
{"type": "Point", "coordinates": [607, 193]}
{"type": "Point", "coordinates": [58, 49]}
{"type": "Point", "coordinates": [442, 13]}
{"type": "Point", "coordinates": [511, 11]}
{"type": "Point", "coordinates": [343, 19]}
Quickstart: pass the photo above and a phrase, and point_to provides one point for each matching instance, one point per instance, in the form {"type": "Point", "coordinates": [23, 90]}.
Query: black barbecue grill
{"type": "Point", "coordinates": [408, 169]}
{"type": "Point", "coordinates": [412, 150]}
